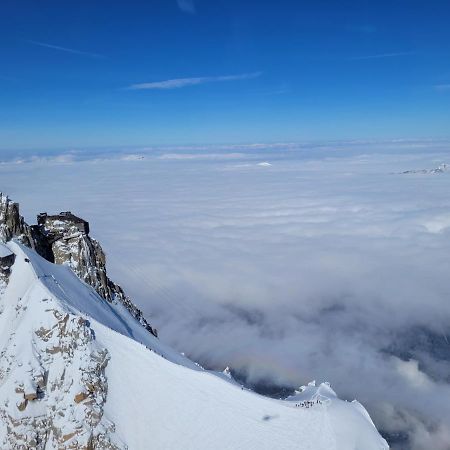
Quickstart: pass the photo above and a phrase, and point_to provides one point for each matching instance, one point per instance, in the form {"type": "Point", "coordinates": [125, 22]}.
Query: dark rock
{"type": "Point", "coordinates": [64, 239]}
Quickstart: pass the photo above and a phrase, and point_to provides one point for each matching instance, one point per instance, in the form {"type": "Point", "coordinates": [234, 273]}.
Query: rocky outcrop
{"type": "Point", "coordinates": [60, 392]}
{"type": "Point", "coordinates": [56, 398]}
{"type": "Point", "coordinates": [13, 225]}
{"type": "Point", "coordinates": [64, 239]}
{"type": "Point", "coordinates": [7, 259]}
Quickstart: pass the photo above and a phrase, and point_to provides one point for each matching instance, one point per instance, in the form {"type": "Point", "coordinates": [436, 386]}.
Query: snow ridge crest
{"type": "Point", "coordinates": [64, 239]}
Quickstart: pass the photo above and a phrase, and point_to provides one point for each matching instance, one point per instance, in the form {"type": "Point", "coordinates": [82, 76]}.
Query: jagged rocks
{"type": "Point", "coordinates": [11, 222]}
{"type": "Point", "coordinates": [13, 225]}
{"type": "Point", "coordinates": [60, 393]}
{"type": "Point", "coordinates": [64, 239]}
{"type": "Point", "coordinates": [71, 244]}
{"type": "Point", "coordinates": [81, 396]}
{"type": "Point", "coordinates": [31, 396]}
{"type": "Point", "coordinates": [7, 259]}
{"type": "Point", "coordinates": [59, 223]}
{"type": "Point", "coordinates": [56, 398]}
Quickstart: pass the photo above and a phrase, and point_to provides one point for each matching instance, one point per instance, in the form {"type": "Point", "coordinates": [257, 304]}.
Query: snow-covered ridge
{"type": "Point", "coordinates": [81, 372]}
{"type": "Point", "coordinates": [64, 239]}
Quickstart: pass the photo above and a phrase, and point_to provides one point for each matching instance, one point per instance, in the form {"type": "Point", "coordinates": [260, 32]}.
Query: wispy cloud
{"type": "Point", "coordinates": [381, 55]}
{"type": "Point", "coordinates": [187, 6]}
{"type": "Point", "coordinates": [183, 82]}
{"type": "Point", "coordinates": [65, 49]}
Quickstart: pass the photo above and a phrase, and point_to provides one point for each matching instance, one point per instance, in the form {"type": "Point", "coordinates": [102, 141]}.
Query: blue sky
{"type": "Point", "coordinates": [101, 73]}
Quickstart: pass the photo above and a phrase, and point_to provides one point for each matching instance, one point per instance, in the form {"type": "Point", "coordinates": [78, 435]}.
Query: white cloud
{"type": "Point", "coordinates": [320, 268]}
{"type": "Point", "coordinates": [200, 156]}
{"type": "Point", "coordinates": [183, 82]}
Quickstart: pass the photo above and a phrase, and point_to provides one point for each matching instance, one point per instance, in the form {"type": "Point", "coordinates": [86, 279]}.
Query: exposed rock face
{"type": "Point", "coordinates": [64, 239]}
{"type": "Point", "coordinates": [61, 392]}
{"type": "Point", "coordinates": [68, 366]}
{"type": "Point", "coordinates": [6, 261]}
{"type": "Point", "coordinates": [12, 225]}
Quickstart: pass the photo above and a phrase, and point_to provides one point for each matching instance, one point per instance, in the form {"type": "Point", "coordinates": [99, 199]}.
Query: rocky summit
{"type": "Point", "coordinates": [64, 239]}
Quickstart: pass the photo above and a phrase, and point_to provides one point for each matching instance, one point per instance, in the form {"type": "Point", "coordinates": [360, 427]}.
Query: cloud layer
{"type": "Point", "coordinates": [327, 264]}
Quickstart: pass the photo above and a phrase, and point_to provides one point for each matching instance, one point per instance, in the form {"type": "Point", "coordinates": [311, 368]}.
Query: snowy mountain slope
{"type": "Point", "coordinates": [79, 372]}
{"type": "Point", "coordinates": [198, 410]}
{"type": "Point", "coordinates": [52, 382]}
{"type": "Point", "coordinates": [64, 239]}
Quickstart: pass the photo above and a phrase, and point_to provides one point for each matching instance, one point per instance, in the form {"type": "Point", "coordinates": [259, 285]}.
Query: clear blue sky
{"type": "Point", "coordinates": [101, 73]}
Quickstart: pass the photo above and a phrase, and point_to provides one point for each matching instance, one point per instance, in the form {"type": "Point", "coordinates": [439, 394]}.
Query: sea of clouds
{"type": "Point", "coordinates": [287, 263]}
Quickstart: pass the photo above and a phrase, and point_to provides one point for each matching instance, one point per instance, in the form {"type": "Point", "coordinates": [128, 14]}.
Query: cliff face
{"type": "Point", "coordinates": [64, 239]}
{"type": "Point", "coordinates": [13, 225]}
{"type": "Point", "coordinates": [53, 385]}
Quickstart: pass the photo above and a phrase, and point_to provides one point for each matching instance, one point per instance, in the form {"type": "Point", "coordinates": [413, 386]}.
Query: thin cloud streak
{"type": "Point", "coordinates": [382, 55]}
{"type": "Point", "coordinates": [65, 49]}
{"type": "Point", "coordinates": [183, 82]}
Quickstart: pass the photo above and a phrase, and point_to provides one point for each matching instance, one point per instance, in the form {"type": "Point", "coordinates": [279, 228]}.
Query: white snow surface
{"type": "Point", "coordinates": [157, 398]}
{"type": "Point", "coordinates": [4, 251]}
